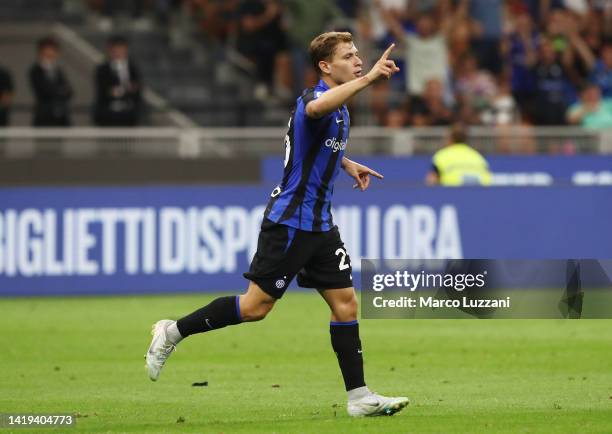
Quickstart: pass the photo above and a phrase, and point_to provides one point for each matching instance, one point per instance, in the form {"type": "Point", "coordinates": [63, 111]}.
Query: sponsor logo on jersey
{"type": "Point", "coordinates": [336, 145]}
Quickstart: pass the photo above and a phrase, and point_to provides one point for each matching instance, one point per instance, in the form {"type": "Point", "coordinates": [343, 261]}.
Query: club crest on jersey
{"type": "Point", "coordinates": [336, 145]}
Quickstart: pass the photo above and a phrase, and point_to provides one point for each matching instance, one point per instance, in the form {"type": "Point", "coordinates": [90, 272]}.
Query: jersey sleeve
{"type": "Point", "coordinates": [308, 96]}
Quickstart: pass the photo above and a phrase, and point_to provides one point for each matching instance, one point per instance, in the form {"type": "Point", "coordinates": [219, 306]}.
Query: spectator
{"type": "Point", "coordinates": [378, 31]}
{"type": "Point", "coordinates": [578, 58]}
{"type": "Point", "coordinates": [457, 163]}
{"type": "Point", "coordinates": [489, 14]}
{"type": "Point", "coordinates": [519, 50]}
{"type": "Point", "coordinates": [118, 88]}
{"type": "Point", "coordinates": [601, 73]}
{"type": "Point", "coordinates": [430, 108]}
{"type": "Point", "coordinates": [215, 18]}
{"type": "Point", "coordinates": [306, 18]}
{"type": "Point", "coordinates": [592, 111]}
{"type": "Point", "coordinates": [476, 89]}
{"type": "Point", "coordinates": [262, 39]}
{"type": "Point", "coordinates": [6, 96]}
{"type": "Point", "coordinates": [461, 37]}
{"type": "Point", "coordinates": [550, 101]}
{"type": "Point", "coordinates": [426, 51]}
{"type": "Point", "coordinates": [52, 90]}
{"type": "Point", "coordinates": [501, 110]}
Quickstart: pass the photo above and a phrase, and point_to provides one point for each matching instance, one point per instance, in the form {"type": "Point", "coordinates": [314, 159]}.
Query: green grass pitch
{"type": "Point", "coordinates": [85, 356]}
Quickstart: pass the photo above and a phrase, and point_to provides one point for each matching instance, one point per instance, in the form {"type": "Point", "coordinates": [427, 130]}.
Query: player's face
{"type": "Point", "coordinates": [345, 64]}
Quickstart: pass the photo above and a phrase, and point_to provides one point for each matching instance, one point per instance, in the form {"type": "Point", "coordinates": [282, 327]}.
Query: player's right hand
{"type": "Point", "coordinates": [384, 67]}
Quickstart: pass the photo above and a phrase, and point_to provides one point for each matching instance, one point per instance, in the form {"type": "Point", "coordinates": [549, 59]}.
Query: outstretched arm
{"type": "Point", "coordinates": [337, 96]}
{"type": "Point", "coordinates": [359, 172]}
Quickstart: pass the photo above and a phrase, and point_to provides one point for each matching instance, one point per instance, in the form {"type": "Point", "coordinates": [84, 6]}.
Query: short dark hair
{"type": "Point", "coordinates": [458, 133]}
{"type": "Point", "coordinates": [323, 46]}
{"type": "Point", "coordinates": [589, 85]}
{"type": "Point", "coordinates": [47, 41]}
{"type": "Point", "coordinates": [117, 40]}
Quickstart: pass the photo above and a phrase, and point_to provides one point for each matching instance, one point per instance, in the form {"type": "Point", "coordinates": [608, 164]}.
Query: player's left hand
{"type": "Point", "coordinates": [360, 173]}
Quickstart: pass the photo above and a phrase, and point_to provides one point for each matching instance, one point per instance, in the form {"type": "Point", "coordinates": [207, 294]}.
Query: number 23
{"type": "Point", "coordinates": [343, 265]}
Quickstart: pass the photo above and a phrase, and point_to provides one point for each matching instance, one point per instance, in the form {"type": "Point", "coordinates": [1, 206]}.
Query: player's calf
{"type": "Point", "coordinates": [221, 312]}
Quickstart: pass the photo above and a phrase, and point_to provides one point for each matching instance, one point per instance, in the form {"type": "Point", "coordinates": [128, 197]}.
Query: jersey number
{"type": "Point", "coordinates": [342, 265]}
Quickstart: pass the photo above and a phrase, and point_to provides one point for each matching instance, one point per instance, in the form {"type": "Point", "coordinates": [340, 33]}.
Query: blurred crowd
{"type": "Point", "coordinates": [479, 62]}
{"type": "Point", "coordinates": [494, 62]}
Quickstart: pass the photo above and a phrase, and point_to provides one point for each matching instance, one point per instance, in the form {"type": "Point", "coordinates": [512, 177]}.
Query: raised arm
{"type": "Point", "coordinates": [581, 47]}
{"type": "Point", "coordinates": [392, 22]}
{"type": "Point", "coordinates": [337, 96]}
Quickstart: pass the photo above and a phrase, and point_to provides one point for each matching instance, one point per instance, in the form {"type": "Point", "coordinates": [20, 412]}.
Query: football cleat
{"type": "Point", "coordinates": [159, 350]}
{"type": "Point", "coordinates": [374, 404]}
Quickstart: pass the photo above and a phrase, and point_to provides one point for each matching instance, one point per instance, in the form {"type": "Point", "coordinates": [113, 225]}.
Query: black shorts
{"type": "Point", "coordinates": [319, 259]}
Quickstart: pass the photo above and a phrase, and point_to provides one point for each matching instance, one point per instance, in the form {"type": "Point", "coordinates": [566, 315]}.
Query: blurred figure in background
{"type": "Point", "coordinates": [305, 19]}
{"type": "Point", "coordinates": [475, 88]}
{"type": "Point", "coordinates": [457, 164]}
{"type": "Point", "coordinates": [6, 96]}
{"type": "Point", "coordinates": [487, 46]}
{"type": "Point", "coordinates": [426, 52]}
{"type": "Point", "coordinates": [51, 88]}
{"type": "Point", "coordinates": [592, 111]}
{"type": "Point", "coordinates": [601, 72]}
{"type": "Point", "coordinates": [262, 39]}
{"type": "Point", "coordinates": [215, 18]}
{"type": "Point", "coordinates": [118, 88]}
{"type": "Point", "coordinates": [430, 109]}
{"type": "Point", "coordinates": [551, 84]}
{"type": "Point", "coordinates": [519, 49]}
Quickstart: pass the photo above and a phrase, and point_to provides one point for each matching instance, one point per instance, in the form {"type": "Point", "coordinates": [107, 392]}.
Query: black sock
{"type": "Point", "coordinates": [220, 312]}
{"type": "Point", "coordinates": [347, 345]}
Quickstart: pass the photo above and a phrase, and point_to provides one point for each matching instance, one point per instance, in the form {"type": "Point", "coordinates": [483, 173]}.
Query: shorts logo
{"type": "Point", "coordinates": [280, 283]}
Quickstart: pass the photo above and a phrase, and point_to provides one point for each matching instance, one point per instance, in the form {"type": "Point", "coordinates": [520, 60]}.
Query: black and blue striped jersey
{"type": "Point", "coordinates": [313, 152]}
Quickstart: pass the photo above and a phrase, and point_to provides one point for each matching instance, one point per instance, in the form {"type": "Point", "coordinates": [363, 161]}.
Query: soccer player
{"type": "Point", "coordinates": [298, 237]}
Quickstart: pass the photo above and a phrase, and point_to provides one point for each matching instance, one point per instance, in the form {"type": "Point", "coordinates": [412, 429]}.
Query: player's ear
{"type": "Point", "coordinates": [324, 67]}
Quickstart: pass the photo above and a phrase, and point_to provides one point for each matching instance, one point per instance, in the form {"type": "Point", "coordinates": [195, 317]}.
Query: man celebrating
{"type": "Point", "coordinates": [298, 237]}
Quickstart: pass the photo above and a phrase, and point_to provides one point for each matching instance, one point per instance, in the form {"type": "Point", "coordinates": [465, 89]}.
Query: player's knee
{"type": "Point", "coordinates": [255, 312]}
{"type": "Point", "coordinates": [346, 310]}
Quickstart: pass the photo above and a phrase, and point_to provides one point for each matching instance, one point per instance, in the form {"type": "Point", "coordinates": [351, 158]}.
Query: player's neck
{"type": "Point", "coordinates": [329, 82]}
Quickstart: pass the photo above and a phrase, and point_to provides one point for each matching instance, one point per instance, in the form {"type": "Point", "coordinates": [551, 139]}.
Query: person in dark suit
{"type": "Point", "coordinates": [118, 88]}
{"type": "Point", "coordinates": [52, 90]}
{"type": "Point", "coordinates": [6, 96]}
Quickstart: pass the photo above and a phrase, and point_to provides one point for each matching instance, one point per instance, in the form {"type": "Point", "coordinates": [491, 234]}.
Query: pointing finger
{"type": "Point", "coordinates": [375, 173]}
{"type": "Point", "coordinates": [387, 52]}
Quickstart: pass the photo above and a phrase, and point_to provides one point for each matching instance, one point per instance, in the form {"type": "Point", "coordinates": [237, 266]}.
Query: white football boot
{"type": "Point", "coordinates": [159, 350]}
{"type": "Point", "coordinates": [374, 404]}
